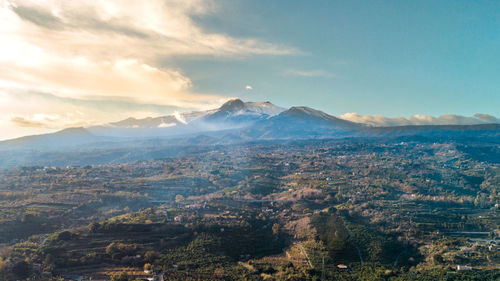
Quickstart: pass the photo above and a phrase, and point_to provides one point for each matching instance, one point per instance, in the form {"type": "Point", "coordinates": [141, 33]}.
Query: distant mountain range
{"type": "Point", "coordinates": [234, 122]}
{"type": "Point", "coordinates": [231, 115]}
{"type": "Point", "coordinates": [239, 121]}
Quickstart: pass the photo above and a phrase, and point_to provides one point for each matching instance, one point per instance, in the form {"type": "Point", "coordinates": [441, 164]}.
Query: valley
{"type": "Point", "coordinates": [399, 208]}
{"type": "Point", "coordinates": [233, 140]}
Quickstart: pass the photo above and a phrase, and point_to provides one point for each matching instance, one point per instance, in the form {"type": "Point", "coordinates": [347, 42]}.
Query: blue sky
{"type": "Point", "coordinates": [382, 57]}
{"type": "Point", "coordinates": [75, 63]}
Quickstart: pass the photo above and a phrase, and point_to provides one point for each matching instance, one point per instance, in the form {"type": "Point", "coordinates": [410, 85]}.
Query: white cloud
{"type": "Point", "coordinates": [179, 117]}
{"type": "Point", "coordinates": [166, 125]}
{"type": "Point", "coordinates": [449, 119]}
{"type": "Point", "coordinates": [121, 79]}
{"type": "Point", "coordinates": [487, 118]}
{"type": "Point", "coordinates": [147, 29]}
{"type": "Point", "coordinates": [108, 50]}
{"type": "Point", "coordinates": [248, 88]}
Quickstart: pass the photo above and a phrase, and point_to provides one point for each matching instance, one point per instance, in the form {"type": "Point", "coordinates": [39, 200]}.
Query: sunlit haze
{"type": "Point", "coordinates": [81, 63]}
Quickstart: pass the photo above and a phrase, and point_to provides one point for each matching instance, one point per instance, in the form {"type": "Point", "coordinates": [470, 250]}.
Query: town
{"type": "Point", "coordinates": [347, 209]}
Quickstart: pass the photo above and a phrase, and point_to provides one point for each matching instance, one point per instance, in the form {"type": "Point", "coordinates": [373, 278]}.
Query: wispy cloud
{"type": "Point", "coordinates": [448, 119]}
{"type": "Point", "coordinates": [109, 50]}
{"type": "Point", "coordinates": [179, 117]}
{"type": "Point", "coordinates": [309, 73]}
{"type": "Point", "coordinates": [147, 29]}
{"type": "Point", "coordinates": [32, 106]}
{"type": "Point", "coordinates": [42, 120]}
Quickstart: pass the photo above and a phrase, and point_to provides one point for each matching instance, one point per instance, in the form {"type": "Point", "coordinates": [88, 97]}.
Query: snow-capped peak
{"type": "Point", "coordinates": [264, 107]}
{"type": "Point", "coordinates": [238, 107]}
{"type": "Point", "coordinates": [243, 111]}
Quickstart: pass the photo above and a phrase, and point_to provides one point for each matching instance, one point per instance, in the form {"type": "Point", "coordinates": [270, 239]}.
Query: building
{"type": "Point", "coordinates": [463, 267]}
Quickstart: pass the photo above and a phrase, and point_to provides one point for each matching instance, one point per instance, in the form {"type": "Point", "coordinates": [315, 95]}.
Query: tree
{"type": "Point", "coordinates": [65, 236]}
{"type": "Point", "coordinates": [21, 269]}
{"type": "Point", "coordinates": [437, 259]}
{"type": "Point", "coordinates": [120, 277]}
{"type": "Point", "coordinates": [49, 260]}
{"type": "Point", "coordinates": [119, 250]}
{"type": "Point", "coordinates": [179, 198]}
{"type": "Point", "coordinates": [151, 256]}
{"type": "Point", "coordinates": [276, 229]}
{"type": "Point", "coordinates": [2, 265]}
{"type": "Point", "coordinates": [94, 227]}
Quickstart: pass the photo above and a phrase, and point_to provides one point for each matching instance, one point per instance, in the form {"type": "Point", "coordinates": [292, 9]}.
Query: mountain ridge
{"type": "Point", "coordinates": [236, 120]}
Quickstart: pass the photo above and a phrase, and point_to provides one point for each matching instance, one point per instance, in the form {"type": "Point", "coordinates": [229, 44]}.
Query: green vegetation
{"type": "Point", "coordinates": [393, 209]}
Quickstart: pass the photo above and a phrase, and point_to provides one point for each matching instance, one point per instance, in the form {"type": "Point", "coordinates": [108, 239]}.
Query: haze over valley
{"type": "Point", "coordinates": [249, 140]}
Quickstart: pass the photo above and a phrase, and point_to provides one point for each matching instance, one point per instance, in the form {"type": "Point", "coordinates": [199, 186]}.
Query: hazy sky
{"type": "Point", "coordinates": [78, 63]}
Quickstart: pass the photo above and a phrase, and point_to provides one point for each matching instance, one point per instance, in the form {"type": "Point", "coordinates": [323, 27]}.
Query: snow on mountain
{"type": "Point", "coordinates": [237, 121]}
{"type": "Point", "coordinates": [307, 113]}
{"type": "Point", "coordinates": [264, 107]}
{"type": "Point", "coordinates": [241, 111]}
